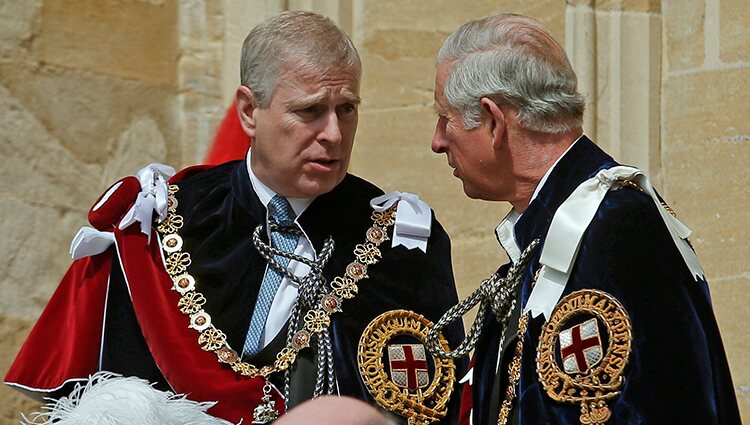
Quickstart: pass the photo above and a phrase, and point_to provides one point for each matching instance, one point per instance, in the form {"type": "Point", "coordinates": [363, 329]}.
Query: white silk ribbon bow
{"type": "Point", "coordinates": [151, 199]}
{"type": "Point", "coordinates": [89, 241]}
{"type": "Point", "coordinates": [570, 222]}
{"type": "Point", "coordinates": [413, 219]}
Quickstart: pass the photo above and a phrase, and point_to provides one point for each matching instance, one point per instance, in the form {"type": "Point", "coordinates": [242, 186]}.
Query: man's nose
{"type": "Point", "coordinates": [438, 143]}
{"type": "Point", "coordinates": [331, 131]}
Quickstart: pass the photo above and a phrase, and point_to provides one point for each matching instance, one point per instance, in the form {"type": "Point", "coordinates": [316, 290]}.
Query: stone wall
{"type": "Point", "coordinates": [93, 89]}
{"type": "Point", "coordinates": [87, 94]}
{"type": "Point", "coordinates": [705, 154]}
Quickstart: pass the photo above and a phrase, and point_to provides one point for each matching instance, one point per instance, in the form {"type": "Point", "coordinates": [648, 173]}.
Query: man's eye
{"type": "Point", "coordinates": [308, 110]}
{"type": "Point", "coordinates": [347, 108]}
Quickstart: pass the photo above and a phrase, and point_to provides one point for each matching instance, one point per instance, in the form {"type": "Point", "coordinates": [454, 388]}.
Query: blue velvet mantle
{"type": "Point", "coordinates": [677, 371]}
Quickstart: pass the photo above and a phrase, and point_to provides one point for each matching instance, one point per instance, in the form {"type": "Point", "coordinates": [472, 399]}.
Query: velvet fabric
{"type": "Point", "coordinates": [221, 211]}
{"type": "Point", "coordinates": [72, 324]}
{"type": "Point", "coordinates": [677, 370]}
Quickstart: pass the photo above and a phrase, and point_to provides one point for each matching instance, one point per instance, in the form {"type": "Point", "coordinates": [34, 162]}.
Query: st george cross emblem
{"type": "Point", "coordinates": [395, 367]}
{"type": "Point", "coordinates": [408, 365]}
{"type": "Point", "coordinates": [593, 368]}
{"type": "Point", "coordinates": [581, 347]}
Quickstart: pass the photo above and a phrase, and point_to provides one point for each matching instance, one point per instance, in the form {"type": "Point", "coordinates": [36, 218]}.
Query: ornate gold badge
{"type": "Point", "coordinates": [578, 364]}
{"type": "Point", "coordinates": [416, 384]}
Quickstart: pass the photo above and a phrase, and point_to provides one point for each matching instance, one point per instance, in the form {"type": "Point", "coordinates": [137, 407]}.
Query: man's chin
{"type": "Point", "coordinates": [474, 193]}
{"type": "Point", "coordinates": [313, 188]}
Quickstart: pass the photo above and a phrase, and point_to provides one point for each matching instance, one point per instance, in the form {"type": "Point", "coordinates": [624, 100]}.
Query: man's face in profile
{"type": "Point", "coordinates": [303, 139]}
{"type": "Point", "coordinates": [469, 151]}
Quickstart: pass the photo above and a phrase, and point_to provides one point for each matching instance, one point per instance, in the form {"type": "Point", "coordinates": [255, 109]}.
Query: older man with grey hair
{"type": "Point", "coordinates": [603, 314]}
{"type": "Point", "coordinates": [267, 281]}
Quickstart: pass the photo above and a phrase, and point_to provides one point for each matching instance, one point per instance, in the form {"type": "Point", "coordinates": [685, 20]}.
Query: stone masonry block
{"type": "Point", "coordinates": [700, 106]}
{"type": "Point", "coordinates": [87, 112]}
{"type": "Point", "coordinates": [52, 189]}
{"type": "Point", "coordinates": [730, 298]}
{"type": "Point", "coordinates": [683, 34]}
{"type": "Point", "coordinates": [705, 149]}
{"type": "Point", "coordinates": [735, 31]}
{"type": "Point", "coordinates": [19, 25]}
{"type": "Point", "coordinates": [398, 51]}
{"type": "Point", "coordinates": [200, 23]}
{"type": "Point", "coordinates": [131, 153]}
{"type": "Point", "coordinates": [713, 200]}
{"type": "Point", "coordinates": [393, 151]}
{"type": "Point", "coordinates": [446, 16]}
{"type": "Point", "coordinates": [652, 6]}
{"type": "Point", "coordinates": [13, 332]}
{"type": "Point", "coordinates": [442, 15]}
{"type": "Point", "coordinates": [129, 39]}
{"type": "Point", "coordinates": [396, 84]}
{"type": "Point", "coordinates": [394, 44]}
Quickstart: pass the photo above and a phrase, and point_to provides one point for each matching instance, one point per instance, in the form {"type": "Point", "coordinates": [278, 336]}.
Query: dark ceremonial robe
{"type": "Point", "coordinates": [677, 371]}
{"type": "Point", "coordinates": [149, 337]}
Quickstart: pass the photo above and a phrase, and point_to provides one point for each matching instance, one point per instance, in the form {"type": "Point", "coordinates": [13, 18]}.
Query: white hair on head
{"type": "Point", "coordinates": [301, 40]}
{"type": "Point", "coordinates": [514, 61]}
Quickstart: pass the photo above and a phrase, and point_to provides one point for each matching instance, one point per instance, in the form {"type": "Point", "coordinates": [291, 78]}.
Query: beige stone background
{"type": "Point", "coordinates": [91, 90]}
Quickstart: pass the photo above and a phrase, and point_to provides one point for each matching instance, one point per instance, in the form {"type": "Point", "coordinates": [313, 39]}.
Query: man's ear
{"type": "Point", "coordinates": [497, 123]}
{"type": "Point", "coordinates": [246, 106]}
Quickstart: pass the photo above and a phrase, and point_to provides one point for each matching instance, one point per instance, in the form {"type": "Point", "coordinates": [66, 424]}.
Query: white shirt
{"type": "Point", "coordinates": [281, 308]}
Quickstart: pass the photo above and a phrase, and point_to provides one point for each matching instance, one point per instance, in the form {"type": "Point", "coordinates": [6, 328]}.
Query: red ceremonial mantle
{"type": "Point", "coordinates": [65, 343]}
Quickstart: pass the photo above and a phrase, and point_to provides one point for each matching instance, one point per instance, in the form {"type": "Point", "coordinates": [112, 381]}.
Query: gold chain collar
{"type": "Point", "coordinates": [315, 321]}
{"type": "Point", "coordinates": [514, 367]}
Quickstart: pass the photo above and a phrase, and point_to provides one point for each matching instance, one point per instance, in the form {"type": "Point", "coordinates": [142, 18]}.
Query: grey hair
{"type": "Point", "coordinates": [301, 40]}
{"type": "Point", "coordinates": [514, 61]}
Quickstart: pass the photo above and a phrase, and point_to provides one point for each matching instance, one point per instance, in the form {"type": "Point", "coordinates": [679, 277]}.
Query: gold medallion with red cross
{"type": "Point", "coordinates": [399, 372]}
{"type": "Point", "coordinates": [583, 351]}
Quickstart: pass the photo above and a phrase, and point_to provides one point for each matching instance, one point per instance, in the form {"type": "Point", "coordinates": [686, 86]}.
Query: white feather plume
{"type": "Point", "coordinates": [111, 399]}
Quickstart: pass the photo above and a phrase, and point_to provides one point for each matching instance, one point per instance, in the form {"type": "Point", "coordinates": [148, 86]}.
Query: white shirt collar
{"type": "Point", "coordinates": [265, 194]}
{"type": "Point", "coordinates": [504, 231]}
{"type": "Point", "coordinates": [506, 237]}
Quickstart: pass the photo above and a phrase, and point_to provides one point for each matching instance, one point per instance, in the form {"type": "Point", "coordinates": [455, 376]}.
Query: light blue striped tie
{"type": "Point", "coordinates": [282, 213]}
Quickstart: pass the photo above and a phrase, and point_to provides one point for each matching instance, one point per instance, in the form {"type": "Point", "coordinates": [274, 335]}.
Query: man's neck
{"type": "Point", "coordinates": [542, 151]}
{"type": "Point", "coordinates": [265, 193]}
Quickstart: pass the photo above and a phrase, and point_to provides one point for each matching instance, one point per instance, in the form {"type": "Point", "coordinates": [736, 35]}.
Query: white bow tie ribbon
{"type": "Point", "coordinates": [89, 241]}
{"type": "Point", "coordinates": [152, 199]}
{"type": "Point", "coordinates": [570, 222]}
{"type": "Point", "coordinates": [413, 223]}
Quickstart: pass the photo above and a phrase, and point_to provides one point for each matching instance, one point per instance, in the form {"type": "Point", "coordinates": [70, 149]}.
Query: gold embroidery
{"type": "Point", "coordinates": [514, 372]}
{"type": "Point", "coordinates": [425, 403]}
{"type": "Point", "coordinates": [597, 381]}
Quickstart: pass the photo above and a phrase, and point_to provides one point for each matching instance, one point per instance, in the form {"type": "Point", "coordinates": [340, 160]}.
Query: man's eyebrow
{"type": "Point", "coordinates": [307, 101]}
{"type": "Point", "coordinates": [439, 110]}
{"type": "Point", "coordinates": [351, 97]}
{"type": "Point", "coordinates": [312, 100]}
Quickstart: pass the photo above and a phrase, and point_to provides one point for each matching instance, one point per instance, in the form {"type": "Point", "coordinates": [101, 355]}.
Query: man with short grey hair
{"type": "Point", "coordinates": [603, 314]}
{"type": "Point", "coordinates": [264, 282]}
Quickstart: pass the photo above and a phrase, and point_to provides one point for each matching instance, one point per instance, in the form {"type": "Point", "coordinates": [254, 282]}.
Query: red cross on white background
{"type": "Point", "coordinates": [578, 347]}
{"type": "Point", "coordinates": [410, 364]}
